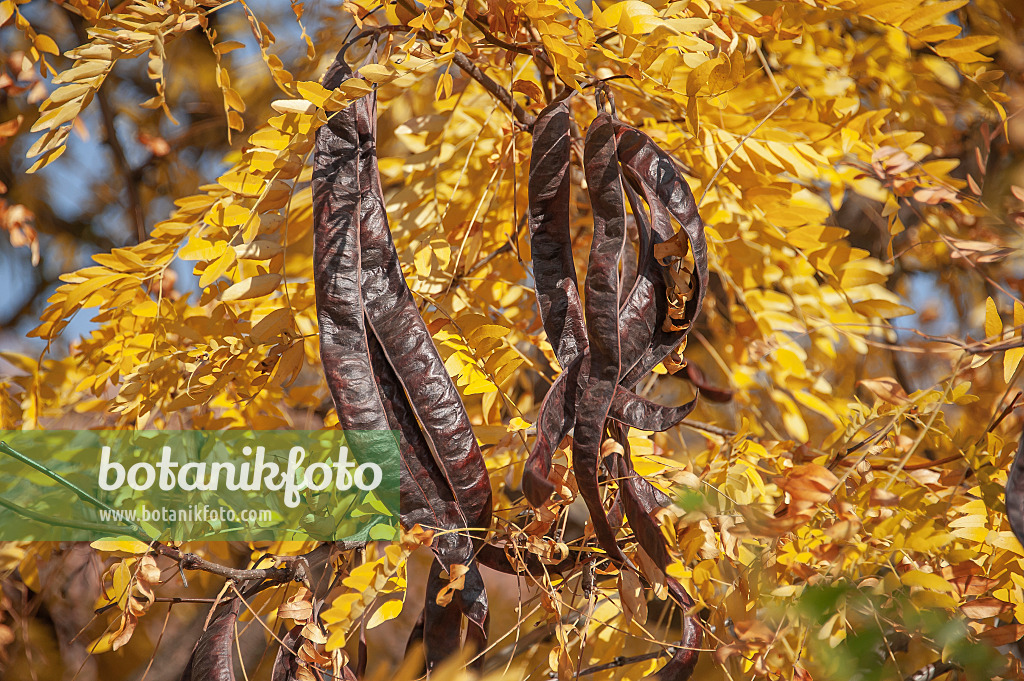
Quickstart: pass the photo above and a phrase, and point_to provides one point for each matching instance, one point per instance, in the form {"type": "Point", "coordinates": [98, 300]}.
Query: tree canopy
{"type": "Point", "coordinates": [837, 506]}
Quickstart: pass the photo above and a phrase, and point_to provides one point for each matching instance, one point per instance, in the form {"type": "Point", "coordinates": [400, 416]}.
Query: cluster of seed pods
{"type": "Point", "coordinates": [385, 374]}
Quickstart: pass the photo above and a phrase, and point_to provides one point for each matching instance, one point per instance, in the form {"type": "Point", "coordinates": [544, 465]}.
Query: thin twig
{"type": "Point", "coordinates": [295, 568]}
{"type": "Point", "coordinates": [505, 248]}
{"type": "Point", "coordinates": [708, 428]}
{"type": "Point", "coordinates": [744, 139]}
{"type": "Point", "coordinates": [622, 662]}
{"type": "Point", "coordinates": [500, 93]}
{"type": "Point", "coordinates": [929, 672]}
{"type": "Point", "coordinates": [472, 70]}
{"type": "Point", "coordinates": [498, 42]}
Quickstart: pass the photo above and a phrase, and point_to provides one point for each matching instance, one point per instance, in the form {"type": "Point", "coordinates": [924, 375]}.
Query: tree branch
{"type": "Point", "coordinates": [623, 661]}
{"type": "Point", "coordinates": [474, 72]}
{"type": "Point", "coordinates": [505, 248]}
{"type": "Point", "coordinates": [295, 568]}
{"type": "Point", "coordinates": [500, 93]}
{"type": "Point", "coordinates": [929, 672]}
{"type": "Point", "coordinates": [498, 42]}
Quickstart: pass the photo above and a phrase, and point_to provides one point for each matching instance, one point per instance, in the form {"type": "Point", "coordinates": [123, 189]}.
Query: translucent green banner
{"type": "Point", "coordinates": [188, 485]}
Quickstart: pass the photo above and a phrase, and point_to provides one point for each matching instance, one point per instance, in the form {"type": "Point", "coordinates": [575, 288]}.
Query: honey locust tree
{"type": "Point", "coordinates": [837, 495]}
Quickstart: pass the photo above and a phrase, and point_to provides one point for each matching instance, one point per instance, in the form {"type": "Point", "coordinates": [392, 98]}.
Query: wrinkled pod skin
{"type": "Point", "coordinates": [383, 369]}
{"type": "Point", "coordinates": [625, 338]}
{"type": "Point", "coordinates": [640, 316]}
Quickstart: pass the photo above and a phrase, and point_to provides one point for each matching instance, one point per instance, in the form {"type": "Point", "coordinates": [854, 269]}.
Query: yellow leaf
{"type": "Point", "coordinates": [478, 383]}
{"type": "Point", "coordinates": [253, 287]}
{"type": "Point", "coordinates": [336, 639]}
{"type": "Point", "coordinates": [147, 308]}
{"type": "Point", "coordinates": [376, 73]}
{"type": "Point", "coordinates": [299, 106]}
{"type": "Point", "coordinates": [47, 158]}
{"type": "Point", "coordinates": [966, 49]}
{"type": "Point", "coordinates": [355, 87]}
{"type": "Point", "coordinates": [886, 389]}
{"type": "Point", "coordinates": [388, 610]}
{"type": "Point", "coordinates": [133, 546]}
{"type": "Point", "coordinates": [49, 141]}
{"type": "Point", "coordinates": [689, 24]}
{"type": "Point", "coordinates": [422, 262]}
{"type": "Point", "coordinates": [817, 404]}
{"type": "Point", "coordinates": [45, 43]}
{"type": "Point", "coordinates": [313, 92]}
{"type": "Point", "coordinates": [487, 331]}
{"type": "Point", "coordinates": [242, 184]}
{"type": "Point", "coordinates": [882, 308]}
{"type": "Point", "coordinates": [517, 423]}
{"type": "Point", "coordinates": [1011, 361]}
{"type": "Point", "coordinates": [444, 86]}
{"type": "Point", "coordinates": [341, 609]}
{"type": "Point", "coordinates": [233, 99]}
{"type": "Point", "coordinates": [216, 269]}
{"type": "Point", "coordinates": [926, 580]}
{"type": "Point", "coordinates": [228, 214]}
{"type": "Point", "coordinates": [934, 34]}
{"type": "Point", "coordinates": [271, 326]}
{"type": "Point", "coordinates": [270, 139]}
{"type": "Point", "coordinates": [631, 17]}
{"type": "Point", "coordinates": [586, 33]}
{"type": "Point", "coordinates": [363, 577]}
{"type": "Point", "coordinates": [198, 248]}
{"type": "Point", "coordinates": [227, 46]}
{"type": "Point", "coordinates": [1014, 355]}
{"type": "Point", "coordinates": [83, 70]}
{"type": "Point", "coordinates": [257, 250]}
{"type": "Point", "coordinates": [927, 16]}
{"type": "Point", "coordinates": [993, 324]}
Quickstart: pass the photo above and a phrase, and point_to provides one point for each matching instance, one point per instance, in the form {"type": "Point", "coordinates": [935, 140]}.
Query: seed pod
{"type": "Point", "coordinates": [557, 417]}
{"type": "Point", "coordinates": [651, 169]}
{"type": "Point", "coordinates": [212, 657]}
{"type": "Point", "coordinates": [396, 322]}
{"type": "Point", "coordinates": [337, 267]}
{"type": "Point", "coordinates": [382, 367]}
{"type": "Point", "coordinates": [643, 342]}
{"type": "Point", "coordinates": [604, 186]}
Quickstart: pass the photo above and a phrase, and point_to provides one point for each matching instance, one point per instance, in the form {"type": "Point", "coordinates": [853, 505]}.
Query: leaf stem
{"type": "Point", "coordinates": [82, 494]}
